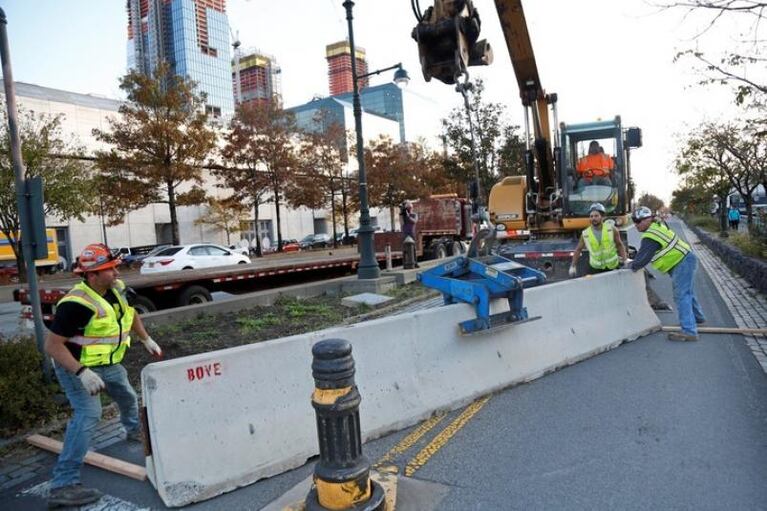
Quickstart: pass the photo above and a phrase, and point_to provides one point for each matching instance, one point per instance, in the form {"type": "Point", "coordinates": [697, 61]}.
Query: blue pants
{"type": "Point", "coordinates": [687, 306]}
{"type": "Point", "coordinates": [86, 416]}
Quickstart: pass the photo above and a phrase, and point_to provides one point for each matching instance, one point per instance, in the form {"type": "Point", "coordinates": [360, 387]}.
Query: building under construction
{"type": "Point", "coordinates": [259, 78]}
{"type": "Point", "coordinates": [339, 60]}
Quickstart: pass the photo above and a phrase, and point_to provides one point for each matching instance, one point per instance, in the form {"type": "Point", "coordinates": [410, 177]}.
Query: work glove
{"type": "Point", "coordinates": [627, 263]}
{"type": "Point", "coordinates": [91, 381]}
{"type": "Point", "coordinates": [152, 347]}
{"type": "Point", "coordinates": [572, 271]}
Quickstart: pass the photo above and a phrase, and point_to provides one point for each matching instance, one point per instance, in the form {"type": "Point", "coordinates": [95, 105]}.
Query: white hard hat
{"type": "Point", "coordinates": [641, 213]}
{"type": "Point", "coordinates": [597, 206]}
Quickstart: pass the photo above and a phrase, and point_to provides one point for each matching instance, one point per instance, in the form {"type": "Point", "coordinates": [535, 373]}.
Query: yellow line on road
{"type": "Point", "coordinates": [410, 440]}
{"type": "Point", "coordinates": [441, 440]}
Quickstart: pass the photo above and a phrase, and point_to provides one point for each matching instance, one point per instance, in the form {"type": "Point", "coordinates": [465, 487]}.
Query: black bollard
{"type": "Point", "coordinates": [342, 475]}
{"type": "Point", "coordinates": [408, 254]}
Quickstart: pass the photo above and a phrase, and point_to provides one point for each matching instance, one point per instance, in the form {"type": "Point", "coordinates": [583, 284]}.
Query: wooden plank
{"type": "Point", "coordinates": [720, 330]}
{"type": "Point", "coordinates": [93, 458]}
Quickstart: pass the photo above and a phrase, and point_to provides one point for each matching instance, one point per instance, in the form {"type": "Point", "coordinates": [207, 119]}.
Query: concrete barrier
{"type": "Point", "coordinates": [225, 419]}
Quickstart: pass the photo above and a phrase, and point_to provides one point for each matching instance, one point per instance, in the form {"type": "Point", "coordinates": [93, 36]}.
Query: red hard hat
{"type": "Point", "coordinates": [96, 257]}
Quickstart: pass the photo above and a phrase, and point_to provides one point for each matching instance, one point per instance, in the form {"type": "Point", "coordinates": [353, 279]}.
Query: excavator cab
{"type": "Point", "coordinates": [594, 163]}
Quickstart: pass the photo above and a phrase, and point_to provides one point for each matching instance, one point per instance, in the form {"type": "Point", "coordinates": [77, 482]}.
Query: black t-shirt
{"type": "Point", "coordinates": [71, 319]}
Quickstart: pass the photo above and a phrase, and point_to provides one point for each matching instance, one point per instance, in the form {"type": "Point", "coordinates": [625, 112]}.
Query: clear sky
{"type": "Point", "coordinates": [602, 57]}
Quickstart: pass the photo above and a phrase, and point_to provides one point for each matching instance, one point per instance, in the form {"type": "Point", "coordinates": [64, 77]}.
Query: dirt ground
{"type": "Point", "coordinates": [288, 316]}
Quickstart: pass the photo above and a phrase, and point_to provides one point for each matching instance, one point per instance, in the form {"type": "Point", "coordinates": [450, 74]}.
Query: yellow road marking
{"type": "Point", "coordinates": [410, 440]}
{"type": "Point", "coordinates": [445, 435]}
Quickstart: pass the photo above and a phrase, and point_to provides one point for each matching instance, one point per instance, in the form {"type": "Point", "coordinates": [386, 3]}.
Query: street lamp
{"type": "Point", "coordinates": [368, 267]}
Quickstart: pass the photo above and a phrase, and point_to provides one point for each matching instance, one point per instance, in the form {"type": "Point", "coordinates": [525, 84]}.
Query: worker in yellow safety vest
{"type": "Point", "coordinates": [668, 253]}
{"type": "Point", "coordinates": [88, 338]}
{"type": "Point", "coordinates": [603, 241]}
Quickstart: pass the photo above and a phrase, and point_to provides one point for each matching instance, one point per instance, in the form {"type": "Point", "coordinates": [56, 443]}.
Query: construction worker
{"type": "Point", "coordinates": [606, 249]}
{"type": "Point", "coordinates": [595, 167]}
{"type": "Point", "coordinates": [670, 254]}
{"type": "Point", "coordinates": [88, 338]}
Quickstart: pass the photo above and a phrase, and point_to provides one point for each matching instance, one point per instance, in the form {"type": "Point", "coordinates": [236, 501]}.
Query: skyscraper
{"type": "Point", "coordinates": [192, 36]}
{"type": "Point", "coordinates": [339, 57]}
{"type": "Point", "coordinates": [259, 77]}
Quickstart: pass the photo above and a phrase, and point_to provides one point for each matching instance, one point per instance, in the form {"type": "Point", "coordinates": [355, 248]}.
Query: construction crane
{"type": "Point", "coordinates": [537, 216]}
{"type": "Point", "coordinates": [237, 56]}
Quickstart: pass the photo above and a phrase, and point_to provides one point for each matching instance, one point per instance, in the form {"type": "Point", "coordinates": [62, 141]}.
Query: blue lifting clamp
{"type": "Point", "coordinates": [477, 280]}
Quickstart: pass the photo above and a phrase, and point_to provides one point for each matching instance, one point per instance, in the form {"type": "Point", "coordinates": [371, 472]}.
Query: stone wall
{"type": "Point", "coordinates": [750, 268]}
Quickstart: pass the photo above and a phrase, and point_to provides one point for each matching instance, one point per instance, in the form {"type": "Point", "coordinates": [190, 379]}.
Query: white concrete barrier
{"type": "Point", "coordinates": [225, 419]}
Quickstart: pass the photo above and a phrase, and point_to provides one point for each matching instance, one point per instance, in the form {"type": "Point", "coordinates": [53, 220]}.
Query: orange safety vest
{"type": "Point", "coordinates": [595, 165]}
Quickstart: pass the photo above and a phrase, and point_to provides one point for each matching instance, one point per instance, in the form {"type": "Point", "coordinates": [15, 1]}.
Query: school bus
{"type": "Point", "coordinates": [50, 263]}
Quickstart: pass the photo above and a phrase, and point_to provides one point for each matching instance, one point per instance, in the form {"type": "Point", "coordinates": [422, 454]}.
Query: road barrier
{"type": "Point", "coordinates": [220, 420]}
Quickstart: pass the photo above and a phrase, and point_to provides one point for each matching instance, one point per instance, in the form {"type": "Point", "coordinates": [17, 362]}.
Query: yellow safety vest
{"type": "Point", "coordinates": [672, 248]}
{"type": "Point", "coordinates": [106, 337]}
{"type": "Point", "coordinates": [603, 255]}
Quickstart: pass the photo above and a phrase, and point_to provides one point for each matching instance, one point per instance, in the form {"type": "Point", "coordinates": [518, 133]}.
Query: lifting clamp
{"type": "Point", "coordinates": [478, 280]}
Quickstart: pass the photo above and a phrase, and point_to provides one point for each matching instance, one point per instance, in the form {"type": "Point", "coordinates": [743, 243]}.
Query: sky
{"type": "Point", "coordinates": [602, 57]}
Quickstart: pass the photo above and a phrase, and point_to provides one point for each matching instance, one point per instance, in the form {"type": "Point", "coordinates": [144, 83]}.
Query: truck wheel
{"type": "Point", "coordinates": [440, 251]}
{"type": "Point", "coordinates": [193, 295]}
{"type": "Point", "coordinates": [142, 304]}
{"type": "Point", "coordinates": [456, 248]}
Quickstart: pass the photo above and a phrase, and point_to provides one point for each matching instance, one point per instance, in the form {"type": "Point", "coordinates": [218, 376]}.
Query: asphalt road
{"type": "Point", "coordinates": [650, 425]}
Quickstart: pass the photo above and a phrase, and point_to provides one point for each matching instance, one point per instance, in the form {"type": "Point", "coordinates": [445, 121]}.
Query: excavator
{"type": "Point", "coordinates": [537, 216]}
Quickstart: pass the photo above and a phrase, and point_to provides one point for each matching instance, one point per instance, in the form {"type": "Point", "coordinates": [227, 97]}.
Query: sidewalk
{"type": "Point", "coordinates": [747, 305]}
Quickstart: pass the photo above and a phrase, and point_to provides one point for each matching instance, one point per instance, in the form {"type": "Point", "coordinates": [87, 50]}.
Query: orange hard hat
{"type": "Point", "coordinates": [96, 257]}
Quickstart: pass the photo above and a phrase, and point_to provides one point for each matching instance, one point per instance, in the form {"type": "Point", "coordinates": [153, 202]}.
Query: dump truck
{"type": "Point", "coordinates": [443, 227]}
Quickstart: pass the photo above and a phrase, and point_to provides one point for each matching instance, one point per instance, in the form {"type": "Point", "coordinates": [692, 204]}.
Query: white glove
{"type": "Point", "coordinates": [572, 271]}
{"type": "Point", "coordinates": [91, 381]}
{"type": "Point", "coordinates": [627, 263]}
{"type": "Point", "coordinates": [152, 347]}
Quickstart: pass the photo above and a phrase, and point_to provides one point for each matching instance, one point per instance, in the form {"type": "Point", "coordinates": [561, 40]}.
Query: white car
{"type": "Point", "coordinates": [240, 250]}
{"type": "Point", "coordinates": [191, 257]}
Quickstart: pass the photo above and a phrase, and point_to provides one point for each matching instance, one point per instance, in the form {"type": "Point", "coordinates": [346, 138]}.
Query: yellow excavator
{"type": "Point", "coordinates": [537, 216]}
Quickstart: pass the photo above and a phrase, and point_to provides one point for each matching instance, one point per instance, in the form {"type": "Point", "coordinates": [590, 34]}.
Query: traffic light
{"type": "Point", "coordinates": [447, 36]}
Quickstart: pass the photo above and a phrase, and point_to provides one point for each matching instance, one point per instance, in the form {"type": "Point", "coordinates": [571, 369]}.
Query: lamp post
{"type": "Point", "coordinates": [368, 267]}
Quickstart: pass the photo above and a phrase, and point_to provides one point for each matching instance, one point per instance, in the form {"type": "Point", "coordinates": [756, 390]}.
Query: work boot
{"type": "Point", "coordinates": [73, 495]}
{"type": "Point", "coordinates": [700, 321]}
{"type": "Point", "coordinates": [134, 436]}
{"type": "Point", "coordinates": [681, 336]}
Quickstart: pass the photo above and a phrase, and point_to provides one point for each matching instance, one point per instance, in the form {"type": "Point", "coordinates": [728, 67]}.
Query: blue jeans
{"type": "Point", "coordinates": [86, 416]}
{"type": "Point", "coordinates": [687, 306]}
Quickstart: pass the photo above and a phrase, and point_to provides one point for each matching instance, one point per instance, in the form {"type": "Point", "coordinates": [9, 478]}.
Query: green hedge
{"type": "Point", "coordinates": [709, 223]}
{"type": "Point", "coordinates": [25, 399]}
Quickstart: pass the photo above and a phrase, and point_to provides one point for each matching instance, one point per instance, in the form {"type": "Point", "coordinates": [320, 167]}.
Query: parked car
{"type": "Point", "coordinates": [290, 245]}
{"type": "Point", "coordinates": [310, 241]}
{"type": "Point", "coordinates": [240, 250]}
{"type": "Point", "coordinates": [191, 257]}
{"type": "Point", "coordinates": [353, 232]}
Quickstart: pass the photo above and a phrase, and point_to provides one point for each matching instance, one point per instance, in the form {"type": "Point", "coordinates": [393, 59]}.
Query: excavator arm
{"type": "Point", "coordinates": [531, 92]}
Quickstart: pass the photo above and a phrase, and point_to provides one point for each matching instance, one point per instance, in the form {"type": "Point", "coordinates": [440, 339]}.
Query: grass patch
{"type": "Point", "coordinates": [250, 324]}
{"type": "Point", "coordinates": [750, 246]}
{"type": "Point", "coordinates": [707, 223]}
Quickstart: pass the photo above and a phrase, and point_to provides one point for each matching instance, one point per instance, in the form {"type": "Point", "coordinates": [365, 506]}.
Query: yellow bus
{"type": "Point", "coordinates": [7, 256]}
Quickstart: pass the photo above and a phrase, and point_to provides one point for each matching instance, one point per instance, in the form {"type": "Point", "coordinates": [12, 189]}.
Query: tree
{"type": "Point", "coordinates": [690, 200]}
{"type": "Point", "coordinates": [66, 182]}
{"type": "Point", "coordinates": [246, 176]}
{"type": "Point", "coordinates": [159, 143]}
{"type": "Point", "coordinates": [267, 141]}
{"type": "Point", "coordinates": [731, 67]}
{"type": "Point", "coordinates": [651, 201]}
{"type": "Point", "coordinates": [226, 214]}
{"type": "Point", "coordinates": [499, 146]}
{"type": "Point", "coordinates": [321, 169]}
{"type": "Point", "coordinates": [395, 172]}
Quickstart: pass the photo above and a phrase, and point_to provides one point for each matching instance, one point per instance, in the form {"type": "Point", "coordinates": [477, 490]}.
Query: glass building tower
{"type": "Point", "coordinates": [192, 36]}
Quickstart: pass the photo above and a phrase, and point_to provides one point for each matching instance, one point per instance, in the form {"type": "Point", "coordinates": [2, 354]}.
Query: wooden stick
{"type": "Point", "coordinates": [720, 330]}
{"type": "Point", "coordinates": [92, 458]}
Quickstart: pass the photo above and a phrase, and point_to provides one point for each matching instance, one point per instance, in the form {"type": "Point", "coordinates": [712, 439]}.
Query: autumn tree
{"type": "Point", "coordinates": [499, 146]}
{"type": "Point", "coordinates": [158, 144]}
{"type": "Point", "coordinates": [395, 172]}
{"type": "Point", "coordinates": [732, 65]}
{"type": "Point", "coordinates": [66, 181]}
{"type": "Point", "coordinates": [651, 201]}
{"type": "Point", "coordinates": [225, 214]}
{"type": "Point", "coordinates": [319, 182]}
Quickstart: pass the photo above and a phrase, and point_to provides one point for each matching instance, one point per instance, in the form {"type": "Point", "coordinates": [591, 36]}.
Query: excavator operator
{"type": "Point", "coordinates": [595, 167]}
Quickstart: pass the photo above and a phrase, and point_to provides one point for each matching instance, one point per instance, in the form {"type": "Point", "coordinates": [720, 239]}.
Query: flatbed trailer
{"type": "Point", "coordinates": [187, 287]}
